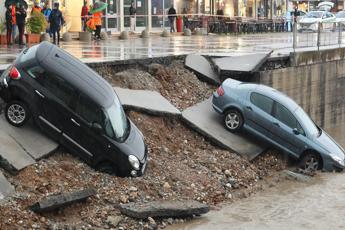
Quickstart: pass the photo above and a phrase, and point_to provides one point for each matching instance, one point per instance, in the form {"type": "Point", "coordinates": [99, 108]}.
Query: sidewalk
{"type": "Point", "coordinates": [156, 46]}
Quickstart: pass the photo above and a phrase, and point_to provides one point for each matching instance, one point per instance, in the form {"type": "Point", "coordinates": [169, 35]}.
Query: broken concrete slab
{"type": "Point", "coordinates": [146, 101]}
{"type": "Point", "coordinates": [240, 67]}
{"type": "Point", "coordinates": [5, 187]}
{"type": "Point", "coordinates": [164, 209]}
{"type": "Point", "coordinates": [30, 138]}
{"type": "Point", "coordinates": [203, 119]}
{"type": "Point", "coordinates": [54, 202]}
{"type": "Point", "coordinates": [296, 176]}
{"type": "Point", "coordinates": [202, 68]}
{"type": "Point", "coordinates": [12, 156]}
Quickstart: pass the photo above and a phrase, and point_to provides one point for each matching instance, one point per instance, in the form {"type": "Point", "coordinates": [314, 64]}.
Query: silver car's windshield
{"type": "Point", "coordinates": [308, 123]}
{"type": "Point", "coordinates": [116, 123]}
{"type": "Point", "coordinates": [313, 15]}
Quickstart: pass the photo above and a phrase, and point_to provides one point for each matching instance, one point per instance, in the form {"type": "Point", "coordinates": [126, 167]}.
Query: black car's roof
{"type": "Point", "coordinates": [75, 72]}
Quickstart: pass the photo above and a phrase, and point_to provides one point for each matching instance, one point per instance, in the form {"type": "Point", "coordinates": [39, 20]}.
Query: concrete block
{"type": "Point", "coordinates": [165, 33]}
{"type": "Point", "coordinates": [12, 156]}
{"type": "Point", "coordinates": [67, 37]}
{"type": "Point", "coordinates": [187, 32]}
{"type": "Point", "coordinates": [30, 138]}
{"type": "Point", "coordinates": [5, 187]}
{"type": "Point", "coordinates": [85, 36]}
{"type": "Point", "coordinates": [145, 34]}
{"type": "Point", "coordinates": [58, 201]}
{"type": "Point", "coordinates": [202, 68]}
{"type": "Point", "coordinates": [45, 37]}
{"type": "Point", "coordinates": [207, 122]}
{"type": "Point", "coordinates": [164, 209]}
{"type": "Point", "coordinates": [104, 35]}
{"type": "Point", "coordinates": [147, 101]}
{"type": "Point", "coordinates": [124, 35]}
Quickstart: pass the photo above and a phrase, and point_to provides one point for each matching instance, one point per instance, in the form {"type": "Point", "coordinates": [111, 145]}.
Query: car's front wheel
{"type": "Point", "coordinates": [17, 113]}
{"type": "Point", "coordinates": [310, 162]}
{"type": "Point", "coordinates": [233, 120]}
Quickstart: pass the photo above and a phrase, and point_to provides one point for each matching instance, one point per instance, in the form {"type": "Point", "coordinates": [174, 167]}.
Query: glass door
{"type": "Point", "coordinates": [111, 16]}
{"type": "Point", "coordinates": [141, 13]}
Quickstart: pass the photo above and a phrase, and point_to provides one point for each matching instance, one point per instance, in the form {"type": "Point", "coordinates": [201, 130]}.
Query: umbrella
{"type": "Point", "coordinates": [14, 2]}
{"type": "Point", "coordinates": [98, 6]}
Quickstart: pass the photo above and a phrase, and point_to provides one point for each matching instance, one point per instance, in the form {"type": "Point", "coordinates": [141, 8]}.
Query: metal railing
{"type": "Point", "coordinates": [318, 34]}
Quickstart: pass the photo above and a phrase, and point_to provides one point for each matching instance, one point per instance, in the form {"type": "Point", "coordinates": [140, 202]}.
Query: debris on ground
{"type": "Point", "coordinates": [164, 209]}
{"type": "Point", "coordinates": [54, 202]}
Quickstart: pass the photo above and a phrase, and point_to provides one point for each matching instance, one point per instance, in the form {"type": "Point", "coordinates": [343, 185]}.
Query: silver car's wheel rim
{"type": "Point", "coordinates": [16, 113]}
{"type": "Point", "coordinates": [232, 121]}
{"type": "Point", "coordinates": [311, 164]}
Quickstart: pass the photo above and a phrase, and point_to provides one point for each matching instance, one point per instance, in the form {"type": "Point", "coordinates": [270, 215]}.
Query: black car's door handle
{"type": "Point", "coordinates": [249, 108]}
{"type": "Point", "coordinates": [39, 94]}
{"type": "Point", "coordinates": [75, 122]}
{"type": "Point", "coordinates": [276, 124]}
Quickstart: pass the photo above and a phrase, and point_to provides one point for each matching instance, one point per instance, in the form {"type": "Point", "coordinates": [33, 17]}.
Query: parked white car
{"type": "Point", "coordinates": [310, 22]}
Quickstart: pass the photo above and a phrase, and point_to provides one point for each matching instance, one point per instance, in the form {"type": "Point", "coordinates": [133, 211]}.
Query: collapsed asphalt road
{"type": "Point", "coordinates": [182, 165]}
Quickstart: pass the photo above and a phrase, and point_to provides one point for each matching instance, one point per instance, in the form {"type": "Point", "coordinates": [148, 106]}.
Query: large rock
{"type": "Point", "coordinates": [145, 34]}
{"type": "Point", "coordinates": [57, 201]}
{"type": "Point", "coordinates": [164, 209]}
{"type": "Point", "coordinates": [151, 102]}
{"type": "Point", "coordinates": [104, 35]}
{"type": "Point", "coordinates": [203, 119]}
{"type": "Point", "coordinates": [45, 37]}
{"type": "Point", "coordinates": [202, 68]}
{"type": "Point", "coordinates": [296, 176]}
{"type": "Point", "coordinates": [165, 33]}
{"type": "Point", "coordinates": [187, 32]}
{"type": "Point", "coordinates": [5, 187]}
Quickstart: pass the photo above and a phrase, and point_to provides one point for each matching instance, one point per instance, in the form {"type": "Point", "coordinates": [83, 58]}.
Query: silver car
{"type": "Point", "coordinates": [276, 118]}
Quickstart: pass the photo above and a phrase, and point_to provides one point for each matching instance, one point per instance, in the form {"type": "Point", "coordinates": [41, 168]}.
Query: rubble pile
{"type": "Point", "coordinates": [182, 166]}
{"type": "Point", "coordinates": [179, 85]}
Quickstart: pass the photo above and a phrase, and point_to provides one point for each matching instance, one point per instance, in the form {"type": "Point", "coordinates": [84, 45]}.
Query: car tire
{"type": "Point", "coordinates": [310, 162]}
{"type": "Point", "coordinates": [233, 120]}
{"type": "Point", "coordinates": [17, 113]}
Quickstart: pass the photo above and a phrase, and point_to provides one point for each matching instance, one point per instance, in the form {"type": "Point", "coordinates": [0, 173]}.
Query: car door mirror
{"type": "Point", "coordinates": [97, 128]}
{"type": "Point", "coordinates": [296, 132]}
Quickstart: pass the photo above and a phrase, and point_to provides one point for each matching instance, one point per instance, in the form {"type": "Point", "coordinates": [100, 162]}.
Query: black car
{"type": "Point", "coordinates": [75, 106]}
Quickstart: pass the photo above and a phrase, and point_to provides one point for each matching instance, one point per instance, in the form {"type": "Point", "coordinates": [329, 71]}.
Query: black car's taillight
{"type": "Point", "coordinates": [14, 73]}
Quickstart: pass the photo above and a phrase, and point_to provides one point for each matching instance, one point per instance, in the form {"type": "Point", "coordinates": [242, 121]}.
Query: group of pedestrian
{"type": "Point", "coordinates": [15, 17]}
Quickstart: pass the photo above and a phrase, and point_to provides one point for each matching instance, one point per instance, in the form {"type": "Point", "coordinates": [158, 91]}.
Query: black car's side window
{"type": "Point", "coordinates": [53, 83]}
{"type": "Point", "coordinates": [88, 110]}
{"type": "Point", "coordinates": [263, 102]}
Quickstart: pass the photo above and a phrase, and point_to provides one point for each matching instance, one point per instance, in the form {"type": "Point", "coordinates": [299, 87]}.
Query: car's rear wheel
{"type": "Point", "coordinates": [17, 113]}
{"type": "Point", "coordinates": [310, 162]}
{"type": "Point", "coordinates": [233, 120]}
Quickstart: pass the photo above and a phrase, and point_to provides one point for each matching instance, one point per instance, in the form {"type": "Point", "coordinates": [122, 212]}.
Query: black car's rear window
{"type": "Point", "coordinates": [29, 53]}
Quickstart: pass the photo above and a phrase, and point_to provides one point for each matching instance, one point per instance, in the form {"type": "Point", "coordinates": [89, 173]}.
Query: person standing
{"type": "Point", "coordinates": [9, 24]}
{"type": "Point", "coordinates": [97, 17]}
{"type": "Point", "coordinates": [84, 15]}
{"type": "Point", "coordinates": [46, 12]}
{"type": "Point", "coordinates": [132, 15]}
{"type": "Point", "coordinates": [56, 21]}
{"type": "Point", "coordinates": [171, 16]}
{"type": "Point", "coordinates": [20, 18]}
{"type": "Point", "coordinates": [37, 8]}
{"type": "Point", "coordinates": [185, 18]}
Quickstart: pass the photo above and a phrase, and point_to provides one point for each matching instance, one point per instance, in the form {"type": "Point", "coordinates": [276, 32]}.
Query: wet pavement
{"type": "Point", "coordinates": [156, 46]}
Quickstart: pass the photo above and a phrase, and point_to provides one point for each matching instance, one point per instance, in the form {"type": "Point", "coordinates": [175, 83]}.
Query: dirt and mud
{"type": "Point", "coordinates": [182, 165]}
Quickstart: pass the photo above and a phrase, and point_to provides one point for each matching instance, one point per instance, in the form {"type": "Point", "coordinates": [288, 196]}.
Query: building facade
{"type": "Point", "coordinates": [152, 14]}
